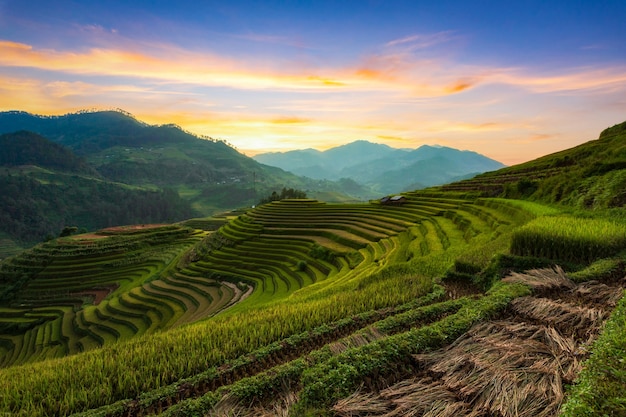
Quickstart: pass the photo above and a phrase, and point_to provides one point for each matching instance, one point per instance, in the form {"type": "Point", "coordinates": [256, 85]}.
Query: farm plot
{"type": "Point", "coordinates": [88, 285]}
{"type": "Point", "coordinates": [515, 364]}
{"type": "Point", "coordinates": [366, 263]}
{"type": "Point", "coordinates": [275, 249]}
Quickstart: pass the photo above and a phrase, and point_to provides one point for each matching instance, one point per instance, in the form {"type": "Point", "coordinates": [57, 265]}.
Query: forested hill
{"type": "Point", "coordinates": [126, 149]}
{"type": "Point", "coordinates": [27, 148]}
{"type": "Point", "coordinates": [88, 132]}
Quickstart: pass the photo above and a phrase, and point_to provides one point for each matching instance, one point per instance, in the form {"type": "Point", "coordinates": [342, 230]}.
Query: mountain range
{"type": "Point", "coordinates": [99, 169]}
{"type": "Point", "coordinates": [383, 169]}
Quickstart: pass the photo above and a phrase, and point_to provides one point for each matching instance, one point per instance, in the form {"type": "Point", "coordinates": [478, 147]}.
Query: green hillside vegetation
{"type": "Point", "coordinates": [36, 204]}
{"type": "Point", "coordinates": [26, 148]}
{"type": "Point", "coordinates": [590, 176]}
{"type": "Point", "coordinates": [447, 301]}
{"type": "Point", "coordinates": [100, 169]}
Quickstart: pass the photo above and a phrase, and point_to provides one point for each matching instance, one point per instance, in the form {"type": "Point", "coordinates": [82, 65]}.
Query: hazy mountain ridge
{"type": "Point", "coordinates": [384, 169]}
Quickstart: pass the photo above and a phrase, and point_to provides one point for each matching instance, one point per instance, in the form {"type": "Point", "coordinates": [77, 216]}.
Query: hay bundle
{"type": "Point", "coordinates": [599, 293]}
{"type": "Point", "coordinates": [495, 370]}
{"type": "Point", "coordinates": [409, 398]}
{"type": "Point", "coordinates": [570, 319]}
{"type": "Point", "coordinates": [542, 279]}
{"type": "Point", "coordinates": [362, 404]}
{"type": "Point", "coordinates": [425, 398]}
{"type": "Point", "coordinates": [230, 407]}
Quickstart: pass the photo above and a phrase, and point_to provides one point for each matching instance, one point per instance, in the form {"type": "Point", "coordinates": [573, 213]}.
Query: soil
{"type": "Point", "coordinates": [98, 294]}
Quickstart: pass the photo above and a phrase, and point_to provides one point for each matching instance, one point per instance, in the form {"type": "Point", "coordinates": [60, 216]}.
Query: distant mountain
{"type": "Point", "coordinates": [328, 164]}
{"type": "Point", "coordinates": [382, 168]}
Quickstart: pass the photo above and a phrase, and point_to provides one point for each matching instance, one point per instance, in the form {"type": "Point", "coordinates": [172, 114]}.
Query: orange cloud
{"type": "Point", "coordinates": [539, 137]}
{"type": "Point", "coordinates": [459, 86]}
{"type": "Point", "coordinates": [389, 73]}
{"type": "Point", "coordinates": [448, 126]}
{"type": "Point", "coordinates": [583, 79]}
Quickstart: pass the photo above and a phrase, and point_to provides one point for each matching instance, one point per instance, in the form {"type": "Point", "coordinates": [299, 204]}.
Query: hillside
{"type": "Point", "coordinates": [442, 303]}
{"type": "Point", "coordinates": [383, 169]}
{"type": "Point", "coordinates": [591, 175]}
{"type": "Point", "coordinates": [45, 187]}
{"type": "Point", "coordinates": [26, 148]}
{"type": "Point", "coordinates": [99, 169]}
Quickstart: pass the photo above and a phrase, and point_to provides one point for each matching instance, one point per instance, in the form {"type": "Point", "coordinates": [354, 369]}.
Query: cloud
{"type": "Point", "coordinates": [422, 41]}
{"type": "Point", "coordinates": [272, 39]}
{"type": "Point", "coordinates": [460, 85]}
{"type": "Point", "coordinates": [96, 31]}
{"type": "Point", "coordinates": [610, 78]}
{"type": "Point", "coordinates": [466, 127]}
{"type": "Point", "coordinates": [595, 46]}
{"type": "Point", "coordinates": [177, 66]}
{"type": "Point", "coordinates": [538, 137]}
{"type": "Point", "coordinates": [399, 73]}
{"type": "Point", "coordinates": [79, 88]}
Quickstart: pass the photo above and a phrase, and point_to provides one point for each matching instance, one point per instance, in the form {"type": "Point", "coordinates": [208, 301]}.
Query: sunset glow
{"type": "Point", "coordinates": [511, 82]}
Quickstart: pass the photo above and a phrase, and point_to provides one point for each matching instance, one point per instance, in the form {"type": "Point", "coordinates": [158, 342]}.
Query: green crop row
{"type": "Point", "coordinates": [324, 376]}
{"type": "Point", "coordinates": [298, 344]}
{"type": "Point", "coordinates": [341, 375]}
{"type": "Point", "coordinates": [600, 387]}
{"type": "Point", "coordinates": [576, 240]}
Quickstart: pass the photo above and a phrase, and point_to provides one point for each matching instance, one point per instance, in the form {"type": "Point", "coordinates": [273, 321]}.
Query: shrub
{"type": "Point", "coordinates": [302, 266]}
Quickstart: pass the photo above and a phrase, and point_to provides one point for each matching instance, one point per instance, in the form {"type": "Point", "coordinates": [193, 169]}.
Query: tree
{"type": "Point", "coordinates": [285, 193]}
{"type": "Point", "coordinates": [68, 231]}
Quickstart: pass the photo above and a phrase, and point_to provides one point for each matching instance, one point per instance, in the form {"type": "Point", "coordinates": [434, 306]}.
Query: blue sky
{"type": "Point", "coordinates": [512, 80]}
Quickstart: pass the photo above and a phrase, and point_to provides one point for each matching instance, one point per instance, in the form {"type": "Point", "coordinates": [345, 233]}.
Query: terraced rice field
{"type": "Point", "coordinates": [515, 363]}
{"type": "Point", "coordinates": [340, 309]}
{"type": "Point", "coordinates": [87, 291]}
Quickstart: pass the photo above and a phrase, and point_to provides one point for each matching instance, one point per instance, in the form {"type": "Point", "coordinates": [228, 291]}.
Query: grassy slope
{"type": "Point", "coordinates": [591, 175]}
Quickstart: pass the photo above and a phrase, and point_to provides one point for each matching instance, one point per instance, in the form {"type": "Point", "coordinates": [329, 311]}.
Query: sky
{"type": "Point", "coordinates": [511, 80]}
